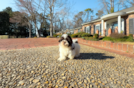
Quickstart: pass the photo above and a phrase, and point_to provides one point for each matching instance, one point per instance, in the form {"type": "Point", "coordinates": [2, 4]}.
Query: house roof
{"type": "Point", "coordinates": [119, 13]}
{"type": "Point", "coordinates": [95, 20]}
{"type": "Point", "coordinates": [78, 28]}
{"type": "Point", "coordinates": [126, 10]}
{"type": "Point", "coordinates": [112, 15]}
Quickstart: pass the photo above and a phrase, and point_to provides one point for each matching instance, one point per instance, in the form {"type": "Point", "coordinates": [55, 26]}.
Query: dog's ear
{"type": "Point", "coordinates": [61, 39]}
{"type": "Point", "coordinates": [69, 39]}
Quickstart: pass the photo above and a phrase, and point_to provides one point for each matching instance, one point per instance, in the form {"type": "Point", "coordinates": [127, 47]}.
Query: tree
{"type": "Point", "coordinates": [44, 24]}
{"type": "Point", "coordinates": [125, 3]}
{"type": "Point", "coordinates": [108, 5]}
{"type": "Point", "coordinates": [77, 21]}
{"type": "Point", "coordinates": [53, 7]}
{"type": "Point", "coordinates": [60, 20]}
{"type": "Point", "coordinates": [21, 19]}
{"type": "Point", "coordinates": [100, 13]}
{"type": "Point", "coordinates": [111, 5]}
{"type": "Point", "coordinates": [88, 11]}
{"type": "Point", "coordinates": [69, 24]}
{"type": "Point", "coordinates": [9, 11]}
{"type": "Point", "coordinates": [31, 7]}
{"type": "Point", "coordinates": [131, 2]}
{"type": "Point", "coordinates": [4, 23]}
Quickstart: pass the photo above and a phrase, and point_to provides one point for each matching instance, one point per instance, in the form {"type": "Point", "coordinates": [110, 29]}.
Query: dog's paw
{"type": "Point", "coordinates": [71, 58]}
{"type": "Point", "coordinates": [60, 59]}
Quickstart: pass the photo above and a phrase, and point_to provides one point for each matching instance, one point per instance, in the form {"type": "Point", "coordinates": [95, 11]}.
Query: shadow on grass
{"type": "Point", "coordinates": [97, 56]}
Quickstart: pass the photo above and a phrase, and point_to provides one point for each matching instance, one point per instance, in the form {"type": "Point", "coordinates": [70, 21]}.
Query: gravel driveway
{"type": "Point", "coordinates": [39, 68]}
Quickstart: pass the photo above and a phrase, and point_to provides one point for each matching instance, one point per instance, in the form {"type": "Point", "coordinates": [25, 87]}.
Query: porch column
{"type": "Point", "coordinates": [106, 28]}
{"type": "Point", "coordinates": [106, 25]}
{"type": "Point", "coordinates": [119, 24]}
{"type": "Point", "coordinates": [122, 26]}
{"type": "Point", "coordinates": [102, 28]}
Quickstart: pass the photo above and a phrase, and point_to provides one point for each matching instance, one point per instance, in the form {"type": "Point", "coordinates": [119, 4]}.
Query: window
{"type": "Point", "coordinates": [78, 30]}
{"type": "Point", "coordinates": [68, 32]}
{"type": "Point", "coordinates": [94, 29]}
{"type": "Point", "coordinates": [131, 26]}
{"type": "Point", "coordinates": [98, 27]}
{"type": "Point", "coordinates": [115, 24]}
{"type": "Point", "coordinates": [85, 29]}
{"type": "Point", "coordinates": [88, 30]}
{"type": "Point", "coordinates": [72, 32]}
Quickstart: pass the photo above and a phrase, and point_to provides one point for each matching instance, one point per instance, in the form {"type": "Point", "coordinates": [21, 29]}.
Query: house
{"type": "Point", "coordinates": [117, 22]}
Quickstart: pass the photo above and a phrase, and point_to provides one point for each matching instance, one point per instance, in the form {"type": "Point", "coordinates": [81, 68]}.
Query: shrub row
{"type": "Point", "coordinates": [119, 38]}
{"type": "Point", "coordinates": [80, 34]}
{"type": "Point", "coordinates": [114, 37]}
{"type": "Point", "coordinates": [91, 38]}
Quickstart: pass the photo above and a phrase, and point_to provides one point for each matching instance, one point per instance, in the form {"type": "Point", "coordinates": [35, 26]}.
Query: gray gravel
{"type": "Point", "coordinates": [38, 67]}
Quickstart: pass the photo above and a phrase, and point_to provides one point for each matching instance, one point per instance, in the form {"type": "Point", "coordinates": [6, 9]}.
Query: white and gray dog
{"type": "Point", "coordinates": [68, 48]}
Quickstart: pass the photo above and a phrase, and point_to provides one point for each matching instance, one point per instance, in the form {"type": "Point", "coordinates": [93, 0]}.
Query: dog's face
{"type": "Point", "coordinates": [66, 40]}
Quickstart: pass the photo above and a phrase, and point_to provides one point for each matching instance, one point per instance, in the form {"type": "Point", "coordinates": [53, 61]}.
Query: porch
{"type": "Point", "coordinates": [116, 24]}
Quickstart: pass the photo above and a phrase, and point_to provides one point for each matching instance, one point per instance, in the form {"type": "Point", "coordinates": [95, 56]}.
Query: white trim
{"type": "Point", "coordinates": [122, 26]}
{"type": "Point", "coordinates": [130, 12]}
{"type": "Point", "coordinates": [119, 24]}
{"type": "Point", "coordinates": [105, 25]}
{"type": "Point", "coordinates": [102, 28]}
{"type": "Point", "coordinates": [113, 15]}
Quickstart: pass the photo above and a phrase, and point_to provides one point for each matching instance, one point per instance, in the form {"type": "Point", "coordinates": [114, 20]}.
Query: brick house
{"type": "Point", "coordinates": [119, 22]}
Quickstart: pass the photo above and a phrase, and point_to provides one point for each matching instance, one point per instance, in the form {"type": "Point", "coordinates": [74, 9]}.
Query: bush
{"type": "Point", "coordinates": [74, 35]}
{"type": "Point", "coordinates": [60, 35]}
{"type": "Point", "coordinates": [107, 39]}
{"type": "Point", "coordinates": [123, 39]}
{"type": "Point", "coordinates": [116, 35]}
{"type": "Point", "coordinates": [130, 38]}
{"type": "Point", "coordinates": [85, 35]}
{"type": "Point", "coordinates": [55, 35]}
{"type": "Point", "coordinates": [70, 34]}
{"type": "Point", "coordinates": [80, 34]}
{"type": "Point", "coordinates": [130, 35]}
{"type": "Point", "coordinates": [119, 40]}
{"type": "Point", "coordinates": [96, 36]}
{"type": "Point", "coordinates": [91, 38]}
{"type": "Point", "coordinates": [48, 36]}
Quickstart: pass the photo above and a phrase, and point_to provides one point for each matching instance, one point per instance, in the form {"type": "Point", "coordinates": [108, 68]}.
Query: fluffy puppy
{"type": "Point", "coordinates": [68, 48]}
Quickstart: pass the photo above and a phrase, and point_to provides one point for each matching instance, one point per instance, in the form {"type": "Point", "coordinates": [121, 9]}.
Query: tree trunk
{"type": "Point", "coordinates": [37, 34]}
{"type": "Point", "coordinates": [51, 22]}
{"type": "Point", "coordinates": [29, 30]}
{"type": "Point", "coordinates": [51, 29]}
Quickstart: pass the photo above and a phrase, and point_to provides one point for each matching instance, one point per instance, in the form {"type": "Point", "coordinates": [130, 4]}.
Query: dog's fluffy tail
{"type": "Point", "coordinates": [75, 40]}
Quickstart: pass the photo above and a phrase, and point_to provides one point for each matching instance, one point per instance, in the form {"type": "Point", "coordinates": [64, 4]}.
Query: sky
{"type": "Point", "coordinates": [78, 5]}
{"type": "Point", "coordinates": [7, 3]}
{"type": "Point", "coordinates": [81, 5]}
